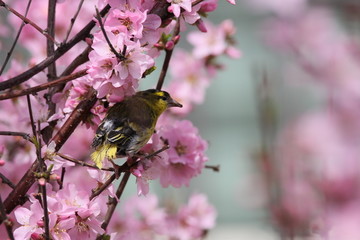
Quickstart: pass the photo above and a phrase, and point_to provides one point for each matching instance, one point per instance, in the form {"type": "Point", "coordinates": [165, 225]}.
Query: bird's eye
{"type": "Point", "coordinates": [163, 98]}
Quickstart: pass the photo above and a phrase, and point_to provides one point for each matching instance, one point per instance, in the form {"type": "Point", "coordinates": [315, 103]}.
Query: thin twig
{"type": "Point", "coordinates": [51, 73]}
{"type": "Point", "coordinates": [8, 55]}
{"type": "Point", "coordinates": [196, 2]}
{"type": "Point", "coordinates": [63, 171]}
{"type": "Point", "coordinates": [80, 59]}
{"type": "Point", "coordinates": [215, 168]}
{"type": "Point", "coordinates": [42, 168]}
{"type": "Point", "coordinates": [23, 92]}
{"type": "Point", "coordinates": [114, 202]}
{"type": "Point", "coordinates": [82, 34]}
{"type": "Point", "coordinates": [5, 219]}
{"type": "Point", "coordinates": [50, 48]}
{"type": "Point", "coordinates": [7, 181]}
{"type": "Point", "coordinates": [83, 57]}
{"type": "Point", "coordinates": [26, 136]}
{"type": "Point", "coordinates": [82, 163]}
{"type": "Point", "coordinates": [18, 195]}
{"type": "Point", "coordinates": [103, 187]}
{"type": "Point", "coordinates": [120, 56]}
{"type": "Point", "coordinates": [167, 59]}
{"type": "Point", "coordinates": [166, 147]}
{"type": "Point", "coordinates": [82, 111]}
{"type": "Point", "coordinates": [72, 21]}
{"type": "Point", "coordinates": [28, 21]}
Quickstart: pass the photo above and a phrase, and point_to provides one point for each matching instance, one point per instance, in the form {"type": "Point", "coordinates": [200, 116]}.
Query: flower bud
{"type": "Point", "coordinates": [89, 41]}
{"type": "Point", "coordinates": [36, 236]}
{"type": "Point", "coordinates": [54, 177]}
{"type": "Point", "coordinates": [176, 39]}
{"type": "Point", "coordinates": [169, 45]}
{"type": "Point", "coordinates": [159, 46]}
{"type": "Point", "coordinates": [201, 26]}
{"type": "Point", "coordinates": [40, 223]}
{"type": "Point", "coordinates": [2, 162]}
{"type": "Point", "coordinates": [170, 9]}
{"type": "Point", "coordinates": [42, 181]}
{"type": "Point", "coordinates": [136, 172]}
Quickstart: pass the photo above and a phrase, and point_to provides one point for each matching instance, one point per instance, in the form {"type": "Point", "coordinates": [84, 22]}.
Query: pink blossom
{"type": "Point", "coordinates": [189, 17]}
{"type": "Point", "coordinates": [151, 32]}
{"type": "Point", "coordinates": [186, 153]}
{"type": "Point", "coordinates": [208, 6]}
{"type": "Point", "coordinates": [193, 219]}
{"type": "Point", "coordinates": [28, 220]}
{"type": "Point", "coordinates": [129, 21]}
{"type": "Point", "coordinates": [210, 43]}
{"type": "Point", "coordinates": [149, 169]}
{"type": "Point", "coordinates": [176, 6]}
{"type": "Point", "coordinates": [190, 78]}
{"type": "Point", "coordinates": [112, 76]}
{"type": "Point", "coordinates": [59, 229]}
{"type": "Point", "coordinates": [144, 217]}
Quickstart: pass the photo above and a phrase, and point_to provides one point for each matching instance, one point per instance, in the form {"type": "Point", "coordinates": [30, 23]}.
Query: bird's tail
{"type": "Point", "coordinates": [105, 151]}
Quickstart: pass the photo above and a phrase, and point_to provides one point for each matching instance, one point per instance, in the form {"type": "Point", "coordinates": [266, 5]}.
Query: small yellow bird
{"type": "Point", "coordinates": [129, 124]}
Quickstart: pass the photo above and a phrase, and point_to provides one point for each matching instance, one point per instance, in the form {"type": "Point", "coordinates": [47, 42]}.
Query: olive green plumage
{"type": "Point", "coordinates": [129, 124]}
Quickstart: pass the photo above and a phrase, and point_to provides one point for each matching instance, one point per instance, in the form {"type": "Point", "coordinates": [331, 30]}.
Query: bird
{"type": "Point", "coordinates": [129, 124]}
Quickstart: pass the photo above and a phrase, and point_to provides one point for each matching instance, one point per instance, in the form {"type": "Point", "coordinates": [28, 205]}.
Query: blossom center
{"type": "Point", "coordinates": [180, 149]}
{"type": "Point", "coordinates": [107, 66]}
{"type": "Point", "coordinates": [126, 22]}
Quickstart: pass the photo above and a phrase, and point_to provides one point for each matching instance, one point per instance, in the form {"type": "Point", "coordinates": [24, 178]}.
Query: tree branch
{"type": "Point", "coordinates": [42, 169]}
{"type": "Point", "coordinates": [103, 187]}
{"type": "Point", "coordinates": [72, 20]}
{"type": "Point", "coordinates": [58, 53]}
{"type": "Point", "coordinates": [167, 59]}
{"type": "Point", "coordinates": [4, 218]}
{"type": "Point", "coordinates": [26, 136]}
{"type": "Point", "coordinates": [7, 181]}
{"type": "Point", "coordinates": [82, 111]}
{"type": "Point", "coordinates": [23, 92]}
{"type": "Point", "coordinates": [120, 56]}
{"type": "Point", "coordinates": [8, 55]}
{"type": "Point", "coordinates": [114, 202]}
{"type": "Point", "coordinates": [82, 163]}
{"type": "Point", "coordinates": [27, 21]}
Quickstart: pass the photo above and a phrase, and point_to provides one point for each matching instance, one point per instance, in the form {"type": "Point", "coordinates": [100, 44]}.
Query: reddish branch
{"type": "Point", "coordinates": [82, 111]}
{"type": "Point", "coordinates": [28, 21]}
{"type": "Point", "coordinates": [8, 55]}
{"type": "Point", "coordinates": [4, 218]}
{"type": "Point", "coordinates": [58, 53]}
{"type": "Point", "coordinates": [114, 202]}
{"type": "Point", "coordinates": [23, 92]}
{"type": "Point", "coordinates": [82, 163]}
{"type": "Point", "coordinates": [72, 20]}
{"type": "Point", "coordinates": [168, 54]}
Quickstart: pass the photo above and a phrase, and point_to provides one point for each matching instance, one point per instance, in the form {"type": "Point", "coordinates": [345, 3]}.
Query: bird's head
{"type": "Point", "coordinates": [159, 100]}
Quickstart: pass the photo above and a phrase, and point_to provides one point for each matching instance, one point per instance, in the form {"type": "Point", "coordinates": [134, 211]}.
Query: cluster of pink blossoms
{"type": "Point", "coordinates": [179, 164]}
{"type": "Point", "coordinates": [138, 36]}
{"type": "Point", "coordinates": [73, 216]}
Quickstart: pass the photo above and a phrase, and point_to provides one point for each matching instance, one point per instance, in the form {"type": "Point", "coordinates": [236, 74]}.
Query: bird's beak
{"type": "Point", "coordinates": [173, 103]}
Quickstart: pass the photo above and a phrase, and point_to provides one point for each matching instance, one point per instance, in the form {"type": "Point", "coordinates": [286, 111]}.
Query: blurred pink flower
{"type": "Point", "coordinates": [193, 219]}
{"type": "Point", "coordinates": [287, 8]}
{"type": "Point", "coordinates": [210, 43]}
